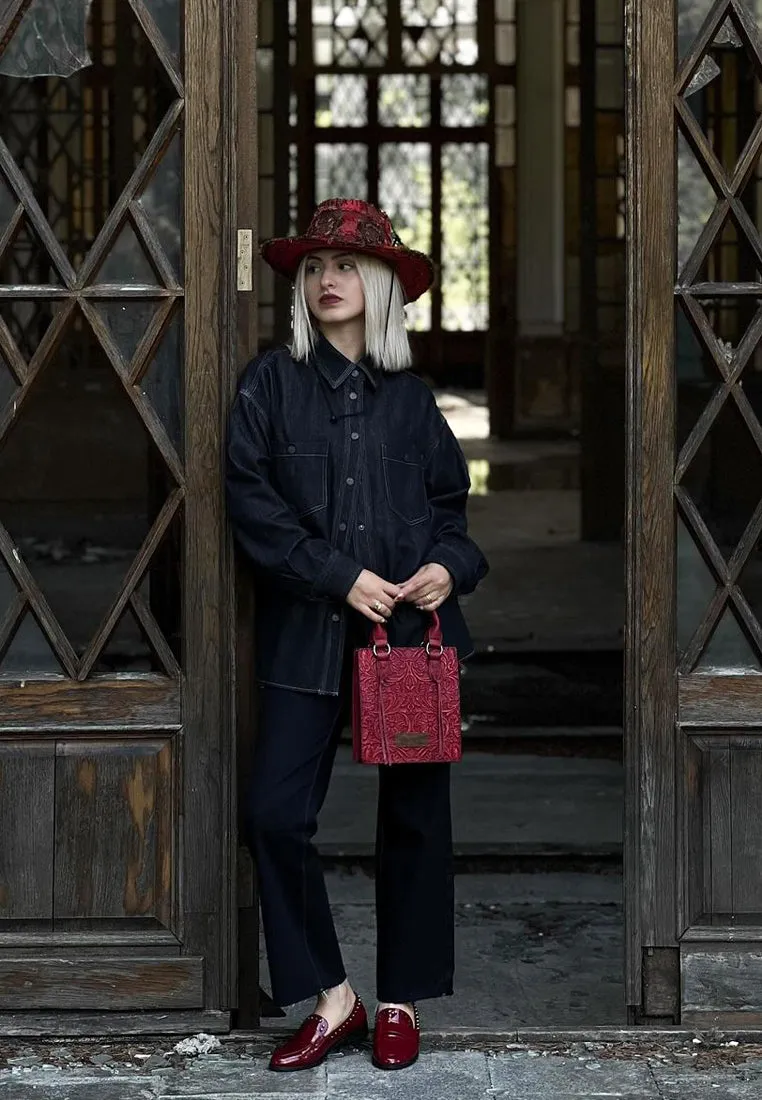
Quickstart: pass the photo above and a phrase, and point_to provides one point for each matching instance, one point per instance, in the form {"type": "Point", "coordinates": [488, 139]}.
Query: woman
{"type": "Point", "coordinates": [347, 492]}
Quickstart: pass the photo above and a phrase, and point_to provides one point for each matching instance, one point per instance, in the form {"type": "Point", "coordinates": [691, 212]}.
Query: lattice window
{"type": "Point", "coordinates": [350, 34]}
{"type": "Point", "coordinates": [439, 31]}
{"type": "Point", "coordinates": [91, 344]}
{"type": "Point", "coordinates": [412, 129]}
{"type": "Point", "coordinates": [718, 478]}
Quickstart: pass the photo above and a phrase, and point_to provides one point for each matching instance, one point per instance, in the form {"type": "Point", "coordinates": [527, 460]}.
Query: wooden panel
{"type": "Point", "coordinates": [696, 864]}
{"type": "Point", "coordinates": [722, 829]}
{"type": "Point", "coordinates": [45, 705]}
{"type": "Point", "coordinates": [721, 983]}
{"type": "Point", "coordinates": [112, 1023]}
{"type": "Point", "coordinates": [746, 829]}
{"type": "Point", "coordinates": [101, 983]}
{"type": "Point", "coordinates": [720, 700]}
{"type": "Point", "coordinates": [210, 357]}
{"type": "Point", "coordinates": [661, 983]}
{"type": "Point", "coordinates": [115, 807]}
{"type": "Point", "coordinates": [26, 831]}
{"type": "Point", "coordinates": [717, 829]}
{"type": "Point", "coordinates": [650, 861]}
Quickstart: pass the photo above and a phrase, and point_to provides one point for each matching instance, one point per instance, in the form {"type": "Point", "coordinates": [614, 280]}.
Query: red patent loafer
{"type": "Point", "coordinates": [396, 1039]}
{"type": "Point", "coordinates": [311, 1045]}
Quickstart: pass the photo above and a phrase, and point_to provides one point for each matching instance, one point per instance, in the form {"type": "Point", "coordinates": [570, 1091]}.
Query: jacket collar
{"type": "Point", "coordinates": [336, 368]}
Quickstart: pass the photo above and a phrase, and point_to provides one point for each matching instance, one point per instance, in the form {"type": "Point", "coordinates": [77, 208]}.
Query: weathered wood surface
{"type": "Point", "coordinates": [696, 869]}
{"type": "Point", "coordinates": [721, 982]}
{"type": "Point", "coordinates": [651, 869]}
{"type": "Point", "coordinates": [55, 706]}
{"type": "Point", "coordinates": [115, 811]}
{"type": "Point", "coordinates": [30, 1024]}
{"type": "Point", "coordinates": [210, 273]}
{"type": "Point", "coordinates": [718, 701]}
{"type": "Point", "coordinates": [101, 983]}
{"type": "Point", "coordinates": [661, 978]}
{"type": "Point", "coordinates": [27, 783]}
{"type": "Point", "coordinates": [245, 901]}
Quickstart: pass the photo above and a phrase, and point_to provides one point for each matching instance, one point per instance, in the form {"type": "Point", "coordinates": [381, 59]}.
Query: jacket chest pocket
{"type": "Point", "coordinates": [300, 474]}
{"type": "Point", "coordinates": [405, 485]}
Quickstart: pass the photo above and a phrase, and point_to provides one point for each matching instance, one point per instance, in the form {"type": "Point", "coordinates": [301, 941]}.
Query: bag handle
{"type": "Point", "coordinates": [380, 638]}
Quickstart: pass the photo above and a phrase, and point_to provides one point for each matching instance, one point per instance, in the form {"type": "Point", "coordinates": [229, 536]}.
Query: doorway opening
{"type": "Point", "coordinates": [493, 136]}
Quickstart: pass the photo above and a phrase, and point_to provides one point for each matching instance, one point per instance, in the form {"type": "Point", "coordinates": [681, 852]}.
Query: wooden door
{"type": "Point", "coordinates": [116, 364]}
{"type": "Point", "coordinates": [694, 721]}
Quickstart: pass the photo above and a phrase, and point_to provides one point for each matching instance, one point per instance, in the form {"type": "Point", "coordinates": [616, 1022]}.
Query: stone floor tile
{"type": "Point", "coordinates": [240, 1079]}
{"type": "Point", "coordinates": [59, 1089]}
{"type": "Point", "coordinates": [519, 1075]}
{"type": "Point", "coordinates": [743, 1082]}
{"type": "Point", "coordinates": [436, 1076]}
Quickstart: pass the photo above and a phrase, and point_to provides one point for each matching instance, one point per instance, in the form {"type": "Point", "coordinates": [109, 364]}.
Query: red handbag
{"type": "Point", "coordinates": [406, 701]}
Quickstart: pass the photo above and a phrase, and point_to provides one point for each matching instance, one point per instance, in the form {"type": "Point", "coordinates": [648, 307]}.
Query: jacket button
{"type": "Point", "coordinates": [335, 617]}
{"type": "Point", "coordinates": [292, 449]}
{"type": "Point", "coordinates": [355, 435]}
{"type": "Point", "coordinates": [353, 396]}
{"type": "Point", "coordinates": [350, 481]}
{"type": "Point", "coordinates": [360, 526]}
{"type": "Point", "coordinates": [355, 372]}
{"type": "Point", "coordinates": [342, 526]}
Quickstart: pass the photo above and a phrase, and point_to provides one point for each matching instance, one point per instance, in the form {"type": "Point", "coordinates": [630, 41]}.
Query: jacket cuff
{"type": "Point", "coordinates": [443, 555]}
{"type": "Point", "coordinates": [338, 577]}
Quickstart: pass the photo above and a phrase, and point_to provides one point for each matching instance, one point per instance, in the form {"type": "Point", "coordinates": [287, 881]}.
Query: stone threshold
{"type": "Point", "coordinates": [486, 1039]}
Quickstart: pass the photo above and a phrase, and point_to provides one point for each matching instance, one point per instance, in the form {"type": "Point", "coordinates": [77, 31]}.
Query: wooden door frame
{"type": "Point", "coordinates": [245, 338]}
{"type": "Point", "coordinates": [211, 353]}
{"type": "Point", "coordinates": [650, 689]}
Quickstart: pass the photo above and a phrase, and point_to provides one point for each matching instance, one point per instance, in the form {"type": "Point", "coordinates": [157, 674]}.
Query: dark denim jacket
{"type": "Point", "coordinates": [334, 467]}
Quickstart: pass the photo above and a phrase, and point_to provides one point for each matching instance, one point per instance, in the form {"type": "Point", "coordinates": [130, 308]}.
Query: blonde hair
{"type": "Point", "coordinates": [386, 342]}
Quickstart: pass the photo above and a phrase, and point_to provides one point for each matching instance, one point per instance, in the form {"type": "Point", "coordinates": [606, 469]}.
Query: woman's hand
{"type": "Point", "coordinates": [373, 597]}
{"type": "Point", "coordinates": [428, 588]}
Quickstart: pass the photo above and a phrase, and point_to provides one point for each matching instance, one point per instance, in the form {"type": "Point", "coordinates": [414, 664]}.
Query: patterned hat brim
{"type": "Point", "coordinates": [414, 269]}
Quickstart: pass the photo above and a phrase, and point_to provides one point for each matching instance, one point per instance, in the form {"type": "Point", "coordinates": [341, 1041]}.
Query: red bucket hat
{"type": "Point", "coordinates": [357, 226]}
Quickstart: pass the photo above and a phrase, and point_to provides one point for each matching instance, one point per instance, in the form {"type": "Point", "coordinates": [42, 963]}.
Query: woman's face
{"type": "Point", "coordinates": [333, 287]}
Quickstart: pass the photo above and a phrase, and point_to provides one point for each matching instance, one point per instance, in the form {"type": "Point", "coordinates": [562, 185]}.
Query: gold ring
{"type": "Point", "coordinates": [378, 607]}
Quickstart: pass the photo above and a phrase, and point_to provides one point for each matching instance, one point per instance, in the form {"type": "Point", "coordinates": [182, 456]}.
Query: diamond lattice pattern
{"type": "Point", "coordinates": [719, 470]}
{"type": "Point", "coordinates": [91, 474]}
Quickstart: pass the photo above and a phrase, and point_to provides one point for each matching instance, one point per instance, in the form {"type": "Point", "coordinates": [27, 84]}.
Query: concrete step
{"type": "Point", "coordinates": [545, 689]}
{"type": "Point", "coordinates": [532, 950]}
{"type": "Point", "coordinates": [510, 811]}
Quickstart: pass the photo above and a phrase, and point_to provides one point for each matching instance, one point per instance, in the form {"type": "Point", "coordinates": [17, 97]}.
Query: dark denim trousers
{"type": "Point", "coordinates": [295, 751]}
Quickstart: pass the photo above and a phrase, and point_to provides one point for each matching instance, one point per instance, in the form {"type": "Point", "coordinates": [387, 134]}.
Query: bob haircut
{"type": "Point", "coordinates": [386, 339]}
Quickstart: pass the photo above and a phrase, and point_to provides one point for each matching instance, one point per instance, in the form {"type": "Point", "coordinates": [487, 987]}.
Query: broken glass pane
{"type": "Point", "coordinates": [695, 201]}
{"type": "Point", "coordinates": [166, 14]}
{"type": "Point", "coordinates": [690, 18]}
{"type": "Point", "coordinates": [162, 200]}
{"type": "Point", "coordinates": [51, 40]}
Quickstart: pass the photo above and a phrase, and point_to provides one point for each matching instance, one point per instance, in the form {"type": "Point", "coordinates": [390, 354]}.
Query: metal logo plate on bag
{"type": "Point", "coordinates": [411, 740]}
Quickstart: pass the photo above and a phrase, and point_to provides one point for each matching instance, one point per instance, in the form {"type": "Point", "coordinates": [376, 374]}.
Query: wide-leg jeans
{"type": "Point", "coordinates": [294, 755]}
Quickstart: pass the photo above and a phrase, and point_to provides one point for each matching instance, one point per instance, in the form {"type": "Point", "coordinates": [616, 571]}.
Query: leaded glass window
{"type": "Point", "coordinates": [395, 103]}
